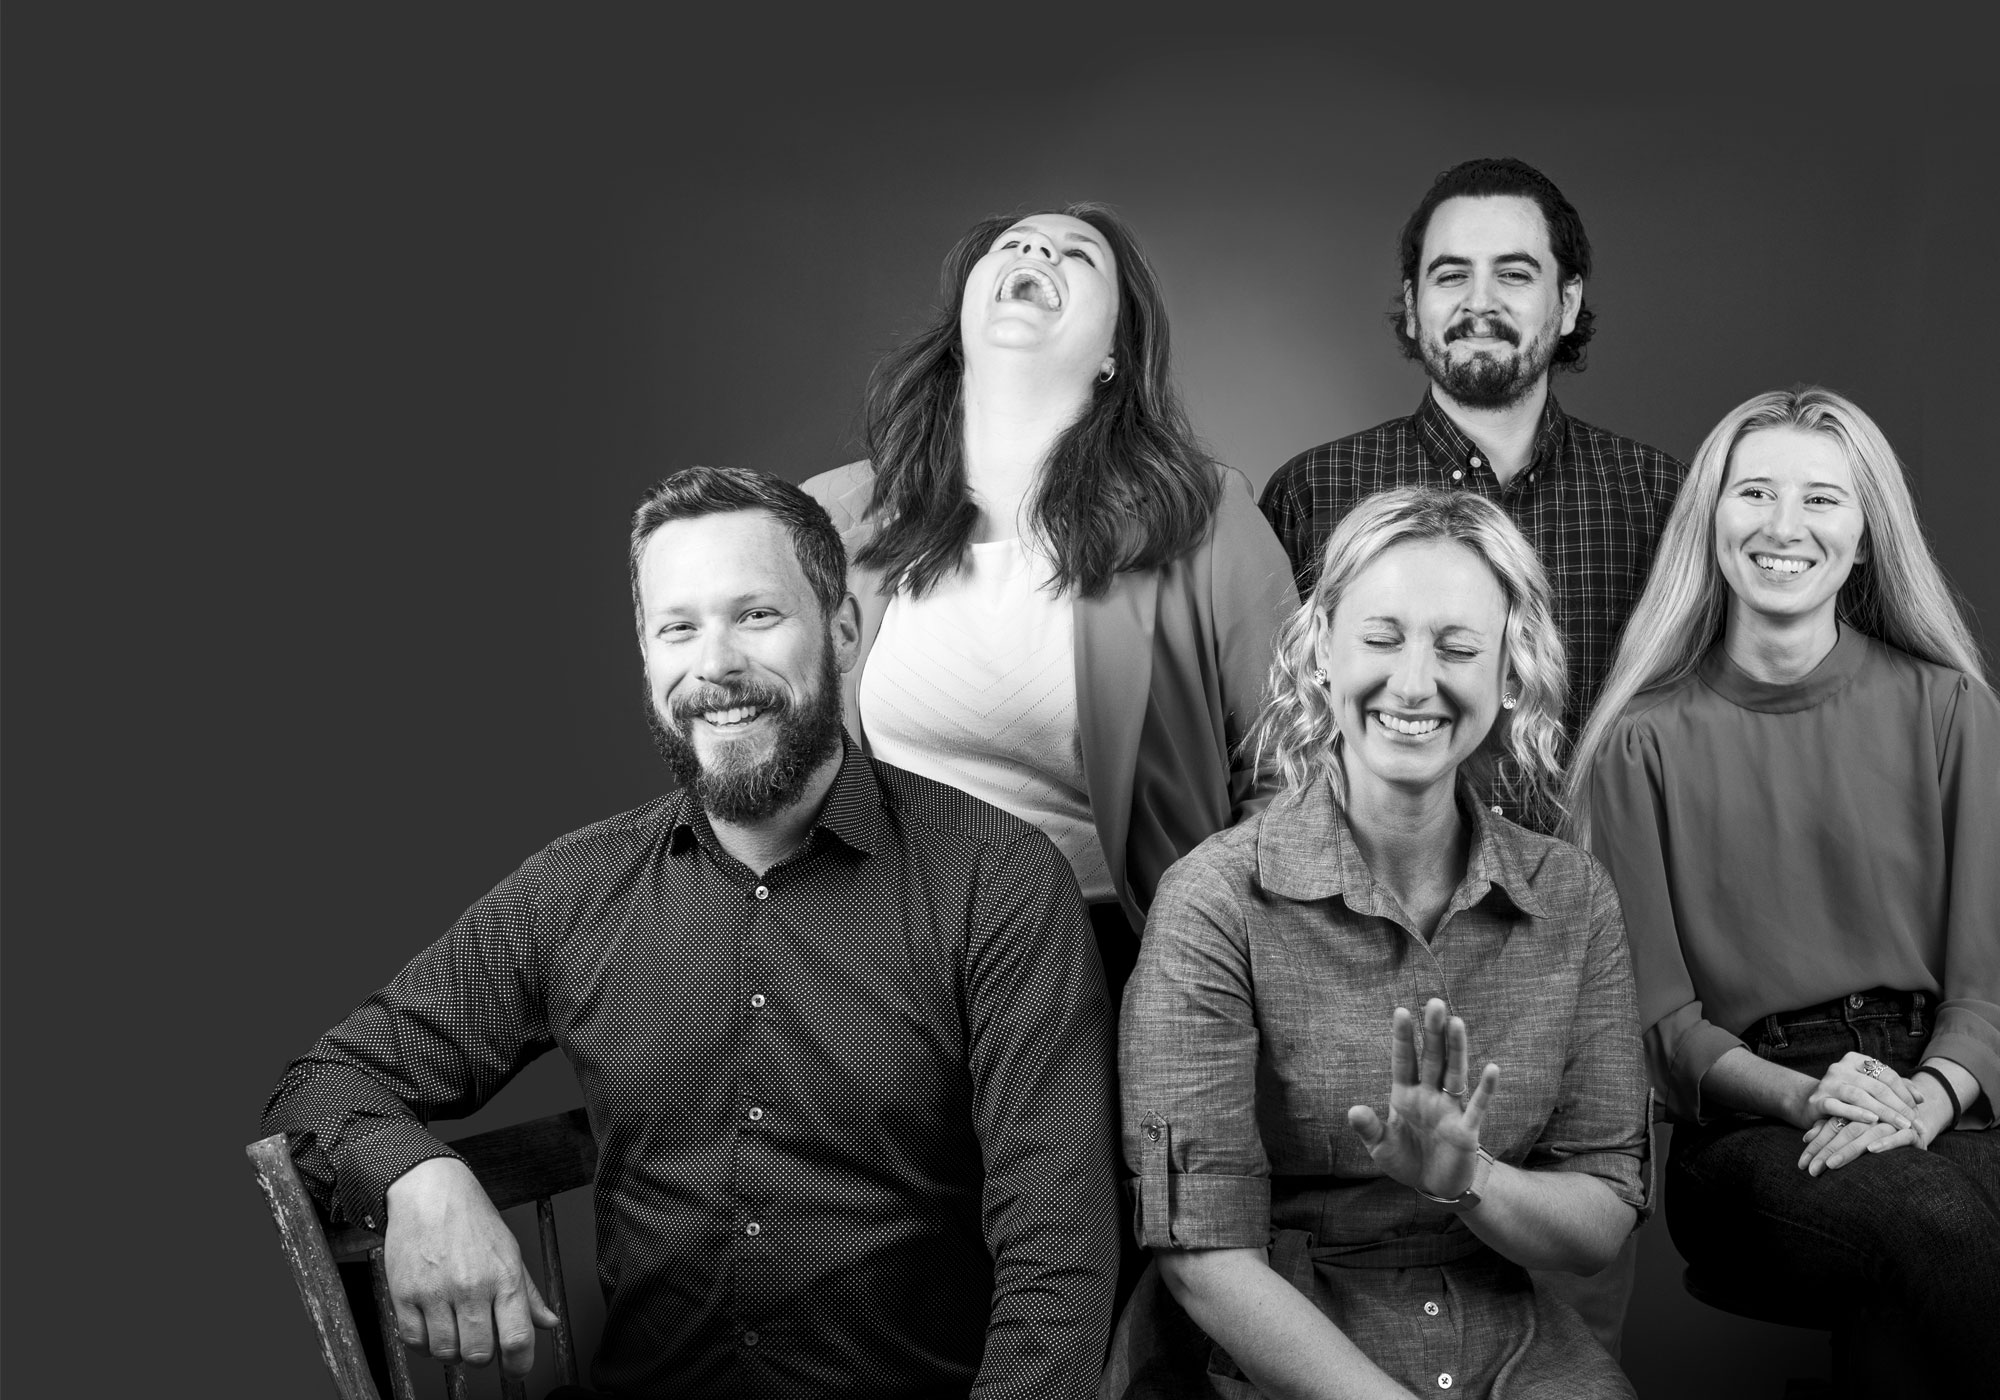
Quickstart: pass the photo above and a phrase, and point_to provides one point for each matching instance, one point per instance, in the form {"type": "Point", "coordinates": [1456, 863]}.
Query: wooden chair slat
{"type": "Point", "coordinates": [393, 1350]}
{"type": "Point", "coordinates": [554, 1293]}
{"type": "Point", "coordinates": [526, 1161]}
{"type": "Point", "coordinates": [522, 1163]}
{"type": "Point", "coordinates": [313, 1269]}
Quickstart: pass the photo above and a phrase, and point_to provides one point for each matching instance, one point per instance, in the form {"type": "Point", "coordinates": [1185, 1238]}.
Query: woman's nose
{"type": "Point", "coordinates": [1415, 679]}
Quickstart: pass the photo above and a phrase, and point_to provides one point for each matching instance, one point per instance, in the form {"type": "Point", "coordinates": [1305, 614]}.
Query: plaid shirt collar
{"type": "Point", "coordinates": [1445, 442]}
{"type": "Point", "coordinates": [852, 813]}
{"type": "Point", "coordinates": [1306, 851]}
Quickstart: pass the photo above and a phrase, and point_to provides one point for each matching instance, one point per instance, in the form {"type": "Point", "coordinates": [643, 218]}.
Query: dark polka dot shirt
{"type": "Point", "coordinates": [855, 1117]}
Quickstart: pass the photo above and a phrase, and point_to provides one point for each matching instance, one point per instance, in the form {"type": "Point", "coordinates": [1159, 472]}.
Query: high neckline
{"type": "Point", "coordinates": [1826, 680]}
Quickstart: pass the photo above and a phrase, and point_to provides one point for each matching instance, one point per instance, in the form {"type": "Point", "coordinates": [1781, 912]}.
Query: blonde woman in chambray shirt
{"type": "Point", "coordinates": [1335, 1193]}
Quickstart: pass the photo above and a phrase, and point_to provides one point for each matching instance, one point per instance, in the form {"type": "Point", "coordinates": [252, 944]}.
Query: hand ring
{"type": "Point", "coordinates": [1458, 1094]}
{"type": "Point", "coordinates": [1872, 1068]}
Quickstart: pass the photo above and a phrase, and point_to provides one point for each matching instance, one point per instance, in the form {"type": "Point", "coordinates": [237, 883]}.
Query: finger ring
{"type": "Point", "coordinates": [1872, 1068]}
{"type": "Point", "coordinates": [1458, 1094]}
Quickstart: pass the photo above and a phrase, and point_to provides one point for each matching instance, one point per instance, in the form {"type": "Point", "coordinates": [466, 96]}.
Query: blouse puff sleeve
{"type": "Point", "coordinates": [1626, 834]}
{"type": "Point", "coordinates": [1967, 1030]}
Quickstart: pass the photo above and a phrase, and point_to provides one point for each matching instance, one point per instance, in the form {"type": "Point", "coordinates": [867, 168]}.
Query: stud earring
{"type": "Point", "coordinates": [1507, 702]}
{"type": "Point", "coordinates": [1108, 373]}
{"type": "Point", "coordinates": [1319, 675]}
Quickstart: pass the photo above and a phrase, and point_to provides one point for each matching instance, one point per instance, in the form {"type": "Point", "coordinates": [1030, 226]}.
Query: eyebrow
{"type": "Point", "coordinates": [1448, 627]}
{"type": "Point", "coordinates": [1810, 485]}
{"type": "Point", "coordinates": [1454, 260]}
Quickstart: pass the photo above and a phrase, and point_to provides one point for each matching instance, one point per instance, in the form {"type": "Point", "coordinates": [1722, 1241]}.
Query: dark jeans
{"type": "Point", "coordinates": [1910, 1233]}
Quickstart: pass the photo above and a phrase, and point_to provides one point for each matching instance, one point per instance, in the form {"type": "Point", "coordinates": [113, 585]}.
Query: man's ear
{"type": "Point", "coordinates": [843, 630]}
{"type": "Point", "coordinates": [1409, 311]}
{"type": "Point", "coordinates": [1572, 303]}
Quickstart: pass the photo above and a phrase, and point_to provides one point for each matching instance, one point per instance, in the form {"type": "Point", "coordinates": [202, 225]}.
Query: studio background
{"type": "Point", "coordinates": [337, 354]}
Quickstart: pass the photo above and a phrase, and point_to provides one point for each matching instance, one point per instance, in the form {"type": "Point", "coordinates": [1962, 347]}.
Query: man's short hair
{"type": "Point", "coordinates": [1503, 175]}
{"type": "Point", "coordinates": [698, 491]}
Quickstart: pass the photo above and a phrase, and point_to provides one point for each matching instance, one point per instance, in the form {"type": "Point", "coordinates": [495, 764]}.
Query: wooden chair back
{"type": "Point", "coordinates": [533, 1161]}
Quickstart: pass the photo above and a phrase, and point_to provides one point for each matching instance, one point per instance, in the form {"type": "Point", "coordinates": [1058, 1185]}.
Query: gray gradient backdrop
{"type": "Point", "coordinates": [338, 351]}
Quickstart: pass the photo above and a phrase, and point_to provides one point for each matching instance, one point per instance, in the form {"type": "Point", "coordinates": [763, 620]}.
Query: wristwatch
{"type": "Point", "coordinates": [1469, 1197]}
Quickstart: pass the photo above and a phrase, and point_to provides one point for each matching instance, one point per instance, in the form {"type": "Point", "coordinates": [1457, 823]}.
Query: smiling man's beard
{"type": "Point", "coordinates": [1490, 381]}
{"type": "Point", "coordinates": [746, 792]}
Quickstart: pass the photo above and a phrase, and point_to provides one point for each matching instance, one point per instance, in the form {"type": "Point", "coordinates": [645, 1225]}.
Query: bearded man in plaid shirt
{"type": "Point", "coordinates": [1494, 262]}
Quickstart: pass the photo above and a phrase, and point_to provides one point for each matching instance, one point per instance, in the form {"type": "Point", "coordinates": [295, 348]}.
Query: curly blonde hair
{"type": "Point", "coordinates": [1296, 736]}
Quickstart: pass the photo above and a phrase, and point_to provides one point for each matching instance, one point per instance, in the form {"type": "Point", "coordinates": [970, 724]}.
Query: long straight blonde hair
{"type": "Point", "coordinates": [1896, 592]}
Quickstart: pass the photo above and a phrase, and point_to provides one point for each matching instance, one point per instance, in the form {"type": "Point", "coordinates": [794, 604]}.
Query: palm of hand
{"type": "Point", "coordinates": [1431, 1139]}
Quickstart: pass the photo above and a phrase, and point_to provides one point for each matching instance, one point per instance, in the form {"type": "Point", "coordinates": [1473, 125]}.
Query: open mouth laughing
{"type": "Point", "coordinates": [1413, 727]}
{"type": "Point", "coordinates": [1030, 284]}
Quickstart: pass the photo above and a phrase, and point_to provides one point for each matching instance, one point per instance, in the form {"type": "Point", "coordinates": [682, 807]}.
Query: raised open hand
{"type": "Point", "coordinates": [1431, 1141]}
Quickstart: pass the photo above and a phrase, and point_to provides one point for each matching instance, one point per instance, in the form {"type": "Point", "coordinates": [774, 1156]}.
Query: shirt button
{"type": "Point", "coordinates": [753, 1229]}
{"type": "Point", "coordinates": [749, 1339]}
{"type": "Point", "coordinates": [1497, 812]}
{"type": "Point", "coordinates": [757, 1000]}
{"type": "Point", "coordinates": [756, 1115]}
{"type": "Point", "coordinates": [763, 891]}
{"type": "Point", "coordinates": [1444, 1380]}
{"type": "Point", "coordinates": [369, 1221]}
{"type": "Point", "coordinates": [1475, 462]}
{"type": "Point", "coordinates": [1430, 1309]}
{"type": "Point", "coordinates": [1458, 476]}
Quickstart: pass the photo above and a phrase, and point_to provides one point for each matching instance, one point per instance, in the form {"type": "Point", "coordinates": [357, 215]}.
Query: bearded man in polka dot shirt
{"type": "Point", "coordinates": [841, 1032]}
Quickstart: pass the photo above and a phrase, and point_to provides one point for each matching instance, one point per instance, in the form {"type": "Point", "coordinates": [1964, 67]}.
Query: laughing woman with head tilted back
{"type": "Point", "coordinates": [1067, 606]}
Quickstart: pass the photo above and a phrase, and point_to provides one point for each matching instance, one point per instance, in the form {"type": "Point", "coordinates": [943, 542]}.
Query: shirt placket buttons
{"type": "Point", "coordinates": [763, 891]}
{"type": "Point", "coordinates": [757, 1001]}
{"type": "Point", "coordinates": [753, 1229]}
{"type": "Point", "coordinates": [1430, 1309]}
{"type": "Point", "coordinates": [1444, 1380]}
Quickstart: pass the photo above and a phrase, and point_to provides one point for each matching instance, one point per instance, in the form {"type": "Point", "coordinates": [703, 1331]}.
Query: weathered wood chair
{"type": "Point", "coordinates": [526, 1162]}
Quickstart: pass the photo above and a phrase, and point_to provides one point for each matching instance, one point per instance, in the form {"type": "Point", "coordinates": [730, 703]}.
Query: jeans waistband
{"type": "Point", "coordinates": [1875, 1004]}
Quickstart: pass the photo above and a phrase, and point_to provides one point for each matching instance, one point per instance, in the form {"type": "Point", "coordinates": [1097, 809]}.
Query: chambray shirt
{"type": "Point", "coordinates": [1259, 1013]}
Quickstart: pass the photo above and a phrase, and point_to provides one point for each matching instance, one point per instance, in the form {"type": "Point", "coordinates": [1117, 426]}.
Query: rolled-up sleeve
{"type": "Point", "coordinates": [1627, 833]}
{"type": "Point", "coordinates": [1602, 1124]}
{"type": "Point", "coordinates": [1188, 1051]}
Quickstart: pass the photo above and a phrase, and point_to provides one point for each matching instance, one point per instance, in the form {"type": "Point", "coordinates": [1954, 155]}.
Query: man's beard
{"type": "Point", "coordinates": [1489, 380]}
{"type": "Point", "coordinates": [744, 791]}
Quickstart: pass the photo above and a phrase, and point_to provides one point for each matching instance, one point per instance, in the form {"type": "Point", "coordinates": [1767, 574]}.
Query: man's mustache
{"type": "Point", "coordinates": [1476, 325]}
{"type": "Point", "coordinates": [710, 697]}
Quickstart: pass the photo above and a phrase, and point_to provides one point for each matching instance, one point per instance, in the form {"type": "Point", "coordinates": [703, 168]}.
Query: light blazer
{"type": "Point", "coordinates": [1170, 670]}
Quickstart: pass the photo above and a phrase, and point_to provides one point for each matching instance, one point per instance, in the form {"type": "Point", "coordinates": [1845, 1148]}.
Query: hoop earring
{"type": "Point", "coordinates": [1109, 373]}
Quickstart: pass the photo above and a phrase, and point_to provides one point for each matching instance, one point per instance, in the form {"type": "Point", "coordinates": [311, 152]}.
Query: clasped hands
{"type": "Point", "coordinates": [456, 1279]}
{"type": "Point", "coordinates": [1855, 1111]}
{"type": "Point", "coordinates": [1431, 1139]}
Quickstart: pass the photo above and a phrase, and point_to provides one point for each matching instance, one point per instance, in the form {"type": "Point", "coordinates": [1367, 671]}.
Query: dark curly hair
{"type": "Point", "coordinates": [1503, 175]}
{"type": "Point", "coordinates": [1127, 486]}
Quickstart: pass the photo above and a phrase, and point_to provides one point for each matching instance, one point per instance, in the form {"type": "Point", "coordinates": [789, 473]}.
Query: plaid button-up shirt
{"type": "Point", "coordinates": [1591, 503]}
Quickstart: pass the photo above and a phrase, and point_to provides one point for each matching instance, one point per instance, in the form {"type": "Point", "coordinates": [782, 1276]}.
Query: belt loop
{"type": "Point", "coordinates": [1774, 1034]}
{"type": "Point", "coordinates": [1916, 1013]}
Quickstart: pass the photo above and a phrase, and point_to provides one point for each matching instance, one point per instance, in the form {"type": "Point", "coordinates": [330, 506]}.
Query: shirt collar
{"type": "Point", "coordinates": [1305, 851]}
{"type": "Point", "coordinates": [852, 812]}
{"type": "Point", "coordinates": [1446, 444]}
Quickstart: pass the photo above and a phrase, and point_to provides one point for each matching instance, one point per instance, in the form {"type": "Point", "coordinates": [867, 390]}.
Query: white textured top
{"type": "Point", "coordinates": [974, 684]}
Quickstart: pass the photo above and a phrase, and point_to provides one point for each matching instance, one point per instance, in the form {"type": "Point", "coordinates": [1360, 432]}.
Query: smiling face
{"type": "Point", "coordinates": [1788, 528]}
{"type": "Point", "coordinates": [1414, 655]}
{"type": "Point", "coordinates": [1048, 284]}
{"type": "Point", "coordinates": [742, 667]}
{"type": "Point", "coordinates": [1489, 304]}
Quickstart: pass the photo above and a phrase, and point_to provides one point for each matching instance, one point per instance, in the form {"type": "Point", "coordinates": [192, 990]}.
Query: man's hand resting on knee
{"type": "Point", "coordinates": [455, 1272]}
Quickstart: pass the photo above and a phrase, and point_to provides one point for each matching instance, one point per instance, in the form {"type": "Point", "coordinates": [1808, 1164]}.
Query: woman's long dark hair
{"type": "Point", "coordinates": [1126, 486]}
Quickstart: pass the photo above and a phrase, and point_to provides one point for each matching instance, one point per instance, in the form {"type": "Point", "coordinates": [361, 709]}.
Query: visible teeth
{"type": "Point", "coordinates": [1772, 564]}
{"type": "Point", "coordinates": [1407, 726]}
{"type": "Point", "coordinates": [735, 716]}
{"type": "Point", "coordinates": [1031, 284]}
